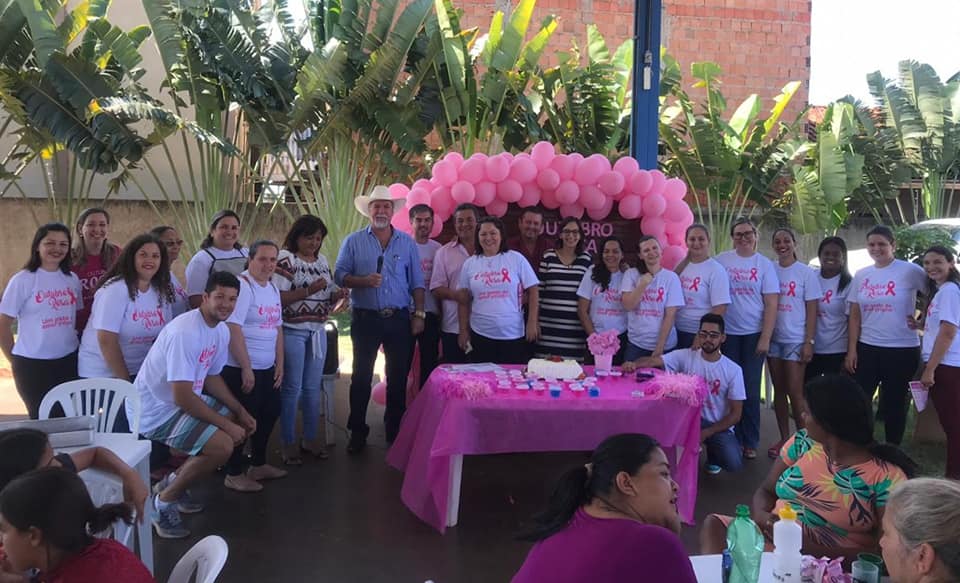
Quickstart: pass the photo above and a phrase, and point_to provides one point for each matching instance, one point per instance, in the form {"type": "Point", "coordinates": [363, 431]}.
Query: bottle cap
{"type": "Point", "coordinates": [743, 511]}
{"type": "Point", "coordinates": [787, 513]}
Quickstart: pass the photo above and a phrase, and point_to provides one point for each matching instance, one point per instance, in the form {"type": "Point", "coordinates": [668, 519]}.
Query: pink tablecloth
{"type": "Point", "coordinates": [436, 428]}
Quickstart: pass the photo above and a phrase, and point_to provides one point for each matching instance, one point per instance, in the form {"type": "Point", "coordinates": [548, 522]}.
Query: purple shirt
{"type": "Point", "coordinates": [607, 550]}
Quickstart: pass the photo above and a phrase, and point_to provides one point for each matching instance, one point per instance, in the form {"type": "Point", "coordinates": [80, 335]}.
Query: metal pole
{"type": "Point", "coordinates": [646, 82]}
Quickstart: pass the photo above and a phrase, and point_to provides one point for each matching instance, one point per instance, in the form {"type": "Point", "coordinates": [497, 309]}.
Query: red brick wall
{"type": "Point", "coordinates": [759, 44]}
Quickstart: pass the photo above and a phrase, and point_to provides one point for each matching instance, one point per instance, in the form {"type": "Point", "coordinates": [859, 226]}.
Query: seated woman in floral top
{"type": "Point", "coordinates": [832, 473]}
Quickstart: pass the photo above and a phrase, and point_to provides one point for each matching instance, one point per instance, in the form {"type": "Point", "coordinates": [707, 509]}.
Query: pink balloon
{"type": "Point", "coordinates": [672, 255]}
{"type": "Point", "coordinates": [626, 166]}
{"type": "Point", "coordinates": [498, 168]}
{"type": "Point", "coordinates": [549, 200]}
{"type": "Point", "coordinates": [424, 184]}
{"type": "Point", "coordinates": [445, 173]}
{"type": "Point", "coordinates": [630, 206]}
{"type": "Point", "coordinates": [401, 222]}
{"type": "Point", "coordinates": [568, 192]}
{"type": "Point", "coordinates": [654, 226]}
{"type": "Point", "coordinates": [542, 154]}
{"type": "Point", "coordinates": [486, 192]}
{"type": "Point", "coordinates": [437, 227]}
{"type": "Point", "coordinates": [611, 183]}
{"type": "Point", "coordinates": [497, 208]}
{"type": "Point", "coordinates": [462, 191]}
{"type": "Point", "coordinates": [523, 170]}
{"type": "Point", "coordinates": [676, 210]}
{"type": "Point", "coordinates": [577, 157]}
{"type": "Point", "coordinates": [454, 158]}
{"type": "Point", "coordinates": [509, 190]}
{"type": "Point", "coordinates": [531, 195]}
{"type": "Point", "coordinates": [379, 393]}
{"type": "Point", "coordinates": [640, 183]}
{"type": "Point", "coordinates": [591, 197]}
{"type": "Point", "coordinates": [398, 190]}
{"type": "Point", "coordinates": [571, 210]}
{"type": "Point", "coordinates": [658, 182]}
{"type": "Point", "coordinates": [674, 189]}
{"type": "Point", "coordinates": [440, 201]}
{"type": "Point", "coordinates": [564, 166]}
{"type": "Point", "coordinates": [602, 212]}
{"type": "Point", "coordinates": [590, 170]}
{"type": "Point", "coordinates": [418, 196]}
{"type": "Point", "coordinates": [473, 169]}
{"type": "Point", "coordinates": [548, 179]}
{"type": "Point", "coordinates": [676, 233]}
{"type": "Point", "coordinates": [654, 205]}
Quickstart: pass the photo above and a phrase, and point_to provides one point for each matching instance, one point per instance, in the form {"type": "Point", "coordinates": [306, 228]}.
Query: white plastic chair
{"type": "Point", "coordinates": [206, 558]}
{"type": "Point", "coordinates": [101, 398]}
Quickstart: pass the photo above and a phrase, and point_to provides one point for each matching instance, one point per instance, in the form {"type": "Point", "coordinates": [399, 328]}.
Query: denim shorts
{"type": "Point", "coordinates": [785, 351]}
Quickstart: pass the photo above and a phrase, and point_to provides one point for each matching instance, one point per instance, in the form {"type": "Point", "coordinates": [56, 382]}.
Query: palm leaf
{"type": "Point", "coordinates": [116, 44]}
{"type": "Point", "coordinates": [43, 30]}
{"type": "Point", "coordinates": [318, 83]}
{"type": "Point", "coordinates": [781, 101]}
{"type": "Point", "coordinates": [164, 120]}
{"type": "Point", "coordinates": [922, 86]}
{"type": "Point", "coordinates": [166, 32]}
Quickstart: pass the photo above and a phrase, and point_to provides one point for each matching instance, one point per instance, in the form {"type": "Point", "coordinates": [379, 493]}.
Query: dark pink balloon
{"type": "Point", "coordinates": [630, 206]}
{"type": "Point", "coordinates": [654, 226]}
{"type": "Point", "coordinates": [672, 256]}
{"type": "Point", "coordinates": [568, 192]}
{"type": "Point", "coordinates": [509, 190]}
{"type": "Point", "coordinates": [437, 228]}
{"type": "Point", "coordinates": [602, 212]}
{"type": "Point", "coordinates": [440, 201]}
{"type": "Point", "coordinates": [549, 199]}
{"type": "Point", "coordinates": [486, 192]}
{"type": "Point", "coordinates": [401, 222]}
{"type": "Point", "coordinates": [548, 179]}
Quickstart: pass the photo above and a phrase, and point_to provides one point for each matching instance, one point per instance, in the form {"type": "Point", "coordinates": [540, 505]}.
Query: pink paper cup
{"type": "Point", "coordinates": [920, 394]}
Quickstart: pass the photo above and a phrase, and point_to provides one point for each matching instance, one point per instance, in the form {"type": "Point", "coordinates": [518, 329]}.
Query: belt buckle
{"type": "Point", "coordinates": [387, 312]}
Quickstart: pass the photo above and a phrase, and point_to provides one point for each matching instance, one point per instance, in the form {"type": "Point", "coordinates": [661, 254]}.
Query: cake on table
{"type": "Point", "coordinates": [554, 368]}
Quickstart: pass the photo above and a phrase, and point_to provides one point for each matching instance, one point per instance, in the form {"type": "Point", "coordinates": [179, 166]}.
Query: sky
{"type": "Point", "coordinates": [851, 38]}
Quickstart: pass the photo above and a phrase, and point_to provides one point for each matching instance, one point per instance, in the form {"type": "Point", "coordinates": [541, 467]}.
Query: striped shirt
{"type": "Point", "coordinates": [561, 333]}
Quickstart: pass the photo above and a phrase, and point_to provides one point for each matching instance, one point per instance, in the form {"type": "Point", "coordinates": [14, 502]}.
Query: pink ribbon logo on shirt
{"type": "Point", "coordinates": [753, 274]}
{"type": "Point", "coordinates": [891, 288]}
{"type": "Point", "coordinates": [792, 291]}
{"type": "Point", "coordinates": [827, 296]}
{"type": "Point", "coordinates": [715, 387]}
{"type": "Point", "coordinates": [660, 294]}
{"type": "Point", "coordinates": [695, 284]}
{"type": "Point", "coordinates": [506, 275]}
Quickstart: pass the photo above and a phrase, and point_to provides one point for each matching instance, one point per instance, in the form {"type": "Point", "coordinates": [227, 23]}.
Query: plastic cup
{"type": "Point", "coordinates": [875, 559]}
{"type": "Point", "coordinates": [920, 394]}
{"type": "Point", "coordinates": [865, 572]}
{"type": "Point", "coordinates": [594, 391]}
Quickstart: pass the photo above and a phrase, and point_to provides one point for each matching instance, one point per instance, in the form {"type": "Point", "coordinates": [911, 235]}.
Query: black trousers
{"type": "Point", "coordinates": [34, 377]}
{"type": "Point", "coordinates": [892, 368]}
{"type": "Point", "coordinates": [368, 331]}
{"type": "Point", "coordinates": [429, 343]}
{"type": "Point", "coordinates": [451, 348]}
{"type": "Point", "coordinates": [497, 351]}
{"type": "Point", "coordinates": [263, 404]}
{"type": "Point", "coordinates": [824, 364]}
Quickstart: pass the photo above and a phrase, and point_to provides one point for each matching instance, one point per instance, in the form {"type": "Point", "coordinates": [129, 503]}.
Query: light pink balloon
{"type": "Point", "coordinates": [401, 222]}
{"type": "Point", "coordinates": [630, 206]}
{"type": "Point", "coordinates": [571, 210]}
{"type": "Point", "coordinates": [591, 197]}
{"type": "Point", "coordinates": [418, 196]}
{"type": "Point", "coordinates": [676, 233]}
{"type": "Point", "coordinates": [675, 189]}
{"type": "Point", "coordinates": [654, 226]}
{"type": "Point", "coordinates": [611, 183]}
{"type": "Point", "coordinates": [473, 170]}
{"type": "Point", "coordinates": [589, 171]}
{"type": "Point", "coordinates": [445, 173]}
{"type": "Point", "coordinates": [577, 157]}
{"type": "Point", "coordinates": [549, 200]}
{"type": "Point", "coordinates": [523, 170]}
{"type": "Point", "coordinates": [424, 184]}
{"type": "Point", "coordinates": [676, 210]}
{"type": "Point", "coordinates": [454, 158]}
{"type": "Point", "coordinates": [542, 154]}
{"type": "Point", "coordinates": [640, 183]}
{"type": "Point", "coordinates": [564, 166]}
{"type": "Point", "coordinates": [626, 166]}
{"type": "Point", "coordinates": [462, 191]}
{"type": "Point", "coordinates": [602, 212]}
{"type": "Point", "coordinates": [568, 192]}
{"type": "Point", "coordinates": [509, 190]}
{"type": "Point", "coordinates": [498, 168]}
{"type": "Point", "coordinates": [531, 195]}
{"type": "Point", "coordinates": [658, 182]}
{"type": "Point", "coordinates": [379, 393]}
{"type": "Point", "coordinates": [672, 255]}
{"type": "Point", "coordinates": [548, 179]}
{"type": "Point", "coordinates": [486, 192]}
{"type": "Point", "coordinates": [437, 228]}
{"type": "Point", "coordinates": [398, 190]}
{"type": "Point", "coordinates": [497, 208]}
{"type": "Point", "coordinates": [654, 205]}
{"type": "Point", "coordinates": [440, 201]}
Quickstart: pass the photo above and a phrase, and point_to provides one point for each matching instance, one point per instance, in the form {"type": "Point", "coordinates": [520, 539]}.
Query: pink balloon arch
{"type": "Point", "coordinates": [574, 184]}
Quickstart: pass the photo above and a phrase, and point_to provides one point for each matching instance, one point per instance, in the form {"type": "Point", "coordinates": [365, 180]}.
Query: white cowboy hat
{"type": "Point", "coordinates": [378, 193]}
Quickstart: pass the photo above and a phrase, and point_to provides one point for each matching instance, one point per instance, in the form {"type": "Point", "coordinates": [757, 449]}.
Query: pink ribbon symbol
{"type": "Point", "coordinates": [827, 296]}
{"type": "Point", "coordinates": [506, 275]}
{"type": "Point", "coordinates": [695, 284]}
{"type": "Point", "coordinates": [753, 274]}
{"type": "Point", "coordinates": [792, 292]}
{"type": "Point", "coordinates": [660, 294]}
{"type": "Point", "coordinates": [891, 288]}
{"type": "Point", "coordinates": [716, 387]}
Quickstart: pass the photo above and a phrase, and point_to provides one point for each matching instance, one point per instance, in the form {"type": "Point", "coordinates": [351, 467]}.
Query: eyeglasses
{"type": "Point", "coordinates": [710, 335]}
{"type": "Point", "coordinates": [570, 232]}
{"type": "Point", "coordinates": [745, 235]}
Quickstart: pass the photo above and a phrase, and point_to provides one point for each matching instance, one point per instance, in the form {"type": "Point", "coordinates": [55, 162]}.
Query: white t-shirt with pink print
{"type": "Point", "coordinates": [887, 296]}
{"type": "Point", "coordinates": [45, 305]}
{"type": "Point", "coordinates": [798, 285]}
{"type": "Point", "coordinates": [645, 320]}
{"type": "Point", "coordinates": [259, 315]}
{"type": "Point", "coordinates": [606, 305]}
{"type": "Point", "coordinates": [496, 286]}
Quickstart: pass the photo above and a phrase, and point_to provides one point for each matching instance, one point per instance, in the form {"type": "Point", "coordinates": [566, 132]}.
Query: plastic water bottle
{"type": "Point", "coordinates": [787, 540]}
{"type": "Point", "coordinates": [746, 546]}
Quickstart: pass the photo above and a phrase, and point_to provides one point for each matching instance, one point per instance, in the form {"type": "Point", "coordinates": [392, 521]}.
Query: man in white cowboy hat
{"type": "Point", "coordinates": [382, 267]}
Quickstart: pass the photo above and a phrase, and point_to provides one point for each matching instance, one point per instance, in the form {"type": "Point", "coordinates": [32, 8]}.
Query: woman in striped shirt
{"type": "Point", "coordinates": [561, 271]}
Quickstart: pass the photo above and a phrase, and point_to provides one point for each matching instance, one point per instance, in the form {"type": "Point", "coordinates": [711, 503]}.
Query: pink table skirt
{"type": "Point", "coordinates": [436, 427]}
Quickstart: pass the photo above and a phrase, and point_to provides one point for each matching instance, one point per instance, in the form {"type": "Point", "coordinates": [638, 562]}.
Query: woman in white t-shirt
{"type": "Point", "coordinates": [490, 293]}
{"type": "Point", "coordinates": [170, 239]}
{"type": "Point", "coordinates": [750, 318]}
{"type": "Point", "coordinates": [651, 295]}
{"type": "Point", "coordinates": [43, 298]}
{"type": "Point", "coordinates": [794, 334]}
{"type": "Point", "coordinates": [941, 347]}
{"type": "Point", "coordinates": [220, 251]}
{"type": "Point", "coordinates": [131, 306]}
{"type": "Point", "coordinates": [883, 347]}
{"type": "Point", "coordinates": [704, 283]}
{"type": "Point", "coordinates": [254, 369]}
{"type": "Point", "coordinates": [600, 300]}
{"type": "Point", "coordinates": [830, 346]}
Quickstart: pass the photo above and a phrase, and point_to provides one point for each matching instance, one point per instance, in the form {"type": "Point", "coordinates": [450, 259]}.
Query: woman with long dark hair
{"type": "Point", "coordinates": [832, 473]}
{"type": "Point", "coordinates": [47, 523]}
{"type": "Point", "coordinates": [941, 347]}
{"type": "Point", "coordinates": [171, 241]}
{"type": "Point", "coordinates": [611, 518]}
{"type": "Point", "coordinates": [600, 303]}
{"type": "Point", "coordinates": [43, 298]}
{"type": "Point", "coordinates": [704, 283]}
{"type": "Point", "coordinates": [561, 271]}
{"type": "Point", "coordinates": [830, 342]}
{"type": "Point", "coordinates": [651, 295]}
{"type": "Point", "coordinates": [883, 347]}
{"type": "Point", "coordinates": [92, 256]}
{"type": "Point", "coordinates": [220, 251]}
{"type": "Point", "coordinates": [133, 302]}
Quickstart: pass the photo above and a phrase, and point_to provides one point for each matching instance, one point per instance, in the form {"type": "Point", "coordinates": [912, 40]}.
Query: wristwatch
{"type": "Point", "coordinates": [420, 314]}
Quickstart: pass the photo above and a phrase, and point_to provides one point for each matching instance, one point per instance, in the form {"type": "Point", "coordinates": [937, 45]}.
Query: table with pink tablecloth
{"type": "Point", "coordinates": [439, 427]}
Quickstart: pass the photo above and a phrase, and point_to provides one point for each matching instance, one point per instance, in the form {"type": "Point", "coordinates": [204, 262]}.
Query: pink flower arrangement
{"type": "Point", "coordinates": [469, 389]}
{"type": "Point", "coordinates": [823, 570]}
{"type": "Point", "coordinates": [604, 343]}
{"type": "Point", "coordinates": [691, 389]}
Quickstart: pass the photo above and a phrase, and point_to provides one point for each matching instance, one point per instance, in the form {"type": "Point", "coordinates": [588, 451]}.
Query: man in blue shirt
{"type": "Point", "coordinates": [381, 266]}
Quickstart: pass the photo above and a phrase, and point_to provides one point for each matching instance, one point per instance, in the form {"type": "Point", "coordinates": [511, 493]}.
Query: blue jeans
{"type": "Point", "coordinates": [743, 351]}
{"type": "Point", "coordinates": [302, 382]}
{"type": "Point", "coordinates": [723, 449]}
{"type": "Point", "coordinates": [634, 352]}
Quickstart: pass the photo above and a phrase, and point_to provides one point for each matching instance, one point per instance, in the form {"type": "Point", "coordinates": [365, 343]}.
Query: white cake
{"type": "Point", "coordinates": [561, 370]}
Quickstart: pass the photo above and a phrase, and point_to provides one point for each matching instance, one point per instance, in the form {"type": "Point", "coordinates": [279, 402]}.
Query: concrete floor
{"type": "Point", "coordinates": [341, 520]}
